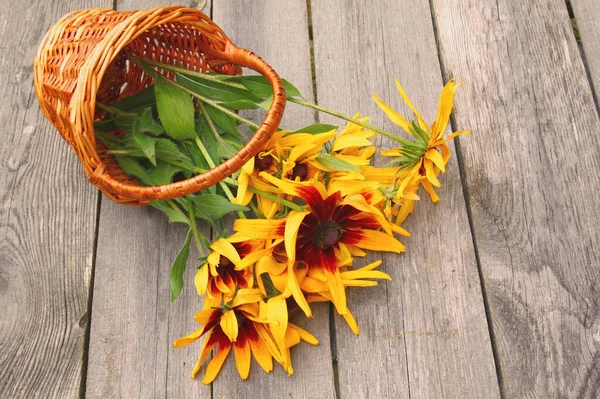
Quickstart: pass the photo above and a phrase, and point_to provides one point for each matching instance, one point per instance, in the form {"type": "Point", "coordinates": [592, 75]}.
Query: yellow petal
{"type": "Point", "coordinates": [312, 285]}
{"type": "Point", "coordinates": [267, 339]}
{"type": "Point", "coordinates": [262, 355]}
{"type": "Point", "coordinates": [225, 248]}
{"type": "Point", "coordinates": [304, 335]}
{"type": "Point", "coordinates": [277, 311]}
{"type": "Point", "coordinates": [435, 157]}
{"type": "Point", "coordinates": [343, 142]}
{"type": "Point", "coordinates": [241, 353]}
{"type": "Point", "coordinates": [393, 115]}
{"type": "Point", "coordinates": [260, 228]}
{"type": "Point", "coordinates": [294, 288]}
{"type": "Point", "coordinates": [430, 173]}
{"type": "Point", "coordinates": [420, 119]}
{"type": "Point", "coordinates": [444, 110]}
{"type": "Point", "coordinates": [379, 241]}
{"type": "Point", "coordinates": [337, 290]}
{"type": "Point", "coordinates": [201, 279]}
{"type": "Point", "coordinates": [351, 322]}
{"type": "Point", "coordinates": [245, 296]}
{"type": "Point", "coordinates": [429, 188]}
{"type": "Point", "coordinates": [291, 232]}
{"type": "Point", "coordinates": [188, 339]}
{"type": "Point", "coordinates": [214, 366]}
{"type": "Point", "coordinates": [229, 325]}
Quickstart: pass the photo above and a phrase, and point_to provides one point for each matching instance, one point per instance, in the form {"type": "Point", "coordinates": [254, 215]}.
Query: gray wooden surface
{"type": "Point", "coordinates": [587, 13]}
{"type": "Point", "coordinates": [531, 168]}
{"type": "Point", "coordinates": [426, 330]}
{"type": "Point", "coordinates": [497, 295]}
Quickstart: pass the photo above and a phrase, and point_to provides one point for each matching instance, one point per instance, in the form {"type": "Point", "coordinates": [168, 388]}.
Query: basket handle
{"type": "Point", "coordinates": [235, 55]}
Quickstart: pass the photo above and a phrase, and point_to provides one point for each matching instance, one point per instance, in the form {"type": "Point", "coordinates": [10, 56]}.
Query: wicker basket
{"type": "Point", "coordinates": [83, 59]}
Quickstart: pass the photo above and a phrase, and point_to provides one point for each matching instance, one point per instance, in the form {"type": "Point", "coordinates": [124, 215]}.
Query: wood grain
{"type": "Point", "coordinates": [278, 32]}
{"type": "Point", "coordinates": [531, 168]}
{"type": "Point", "coordinates": [425, 333]}
{"type": "Point", "coordinates": [47, 224]}
{"type": "Point", "coordinates": [133, 322]}
{"type": "Point", "coordinates": [587, 13]}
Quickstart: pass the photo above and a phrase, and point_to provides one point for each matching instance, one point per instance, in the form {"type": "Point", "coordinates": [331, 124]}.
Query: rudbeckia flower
{"type": "Point", "coordinates": [236, 326]}
{"type": "Point", "coordinates": [227, 268]}
{"type": "Point", "coordinates": [428, 154]}
{"type": "Point", "coordinates": [313, 237]}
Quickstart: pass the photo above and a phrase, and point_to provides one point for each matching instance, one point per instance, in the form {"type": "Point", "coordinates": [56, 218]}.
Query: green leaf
{"type": "Point", "coordinates": [105, 125]}
{"type": "Point", "coordinates": [172, 214]}
{"type": "Point", "coordinates": [147, 145]}
{"type": "Point", "coordinates": [215, 205]}
{"type": "Point", "coordinates": [178, 268]}
{"type": "Point", "coordinates": [221, 119]}
{"type": "Point", "coordinates": [215, 91]}
{"type": "Point", "coordinates": [260, 86]}
{"type": "Point", "coordinates": [269, 286]}
{"type": "Point", "coordinates": [226, 149]}
{"type": "Point", "coordinates": [163, 173]}
{"type": "Point", "coordinates": [243, 104]}
{"type": "Point", "coordinates": [175, 110]}
{"type": "Point", "coordinates": [168, 151]}
{"type": "Point", "coordinates": [133, 168]}
{"type": "Point", "coordinates": [147, 124]}
{"type": "Point", "coordinates": [316, 128]}
{"type": "Point", "coordinates": [143, 98]}
{"type": "Point", "coordinates": [331, 162]}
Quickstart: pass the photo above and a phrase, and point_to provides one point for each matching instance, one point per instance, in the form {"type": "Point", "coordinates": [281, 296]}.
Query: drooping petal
{"type": "Point", "coordinates": [294, 288]}
{"type": "Point", "coordinates": [261, 353]}
{"type": "Point", "coordinates": [430, 173]}
{"type": "Point", "coordinates": [337, 290]}
{"type": "Point", "coordinates": [260, 228]}
{"type": "Point", "coordinates": [214, 366]}
{"type": "Point", "coordinates": [351, 322]}
{"type": "Point", "coordinates": [373, 240]}
{"type": "Point", "coordinates": [429, 188]}
{"type": "Point", "coordinates": [435, 157]}
{"type": "Point", "coordinates": [229, 325]}
{"type": "Point", "coordinates": [241, 353]}
{"type": "Point", "coordinates": [245, 296]}
{"type": "Point", "coordinates": [226, 249]}
{"type": "Point", "coordinates": [292, 227]}
{"type": "Point", "coordinates": [420, 119]}
{"type": "Point", "coordinates": [304, 335]}
{"type": "Point", "coordinates": [393, 115]}
{"type": "Point", "coordinates": [444, 110]}
{"type": "Point", "coordinates": [201, 280]}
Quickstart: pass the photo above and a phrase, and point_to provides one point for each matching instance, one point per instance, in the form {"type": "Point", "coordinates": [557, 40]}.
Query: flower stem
{"type": "Point", "coordinates": [349, 119]}
{"type": "Point", "coordinates": [275, 198]}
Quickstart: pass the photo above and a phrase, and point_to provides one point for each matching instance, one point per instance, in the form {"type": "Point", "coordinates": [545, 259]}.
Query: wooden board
{"type": "Point", "coordinates": [133, 322]}
{"type": "Point", "coordinates": [531, 168]}
{"type": "Point", "coordinates": [47, 223]}
{"type": "Point", "coordinates": [587, 13]}
{"type": "Point", "coordinates": [425, 333]}
{"type": "Point", "coordinates": [278, 32]}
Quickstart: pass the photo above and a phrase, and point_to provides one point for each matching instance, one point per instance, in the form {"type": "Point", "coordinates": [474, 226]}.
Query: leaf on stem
{"type": "Point", "coordinates": [331, 162]}
{"type": "Point", "coordinates": [175, 109]}
{"type": "Point", "coordinates": [178, 268]}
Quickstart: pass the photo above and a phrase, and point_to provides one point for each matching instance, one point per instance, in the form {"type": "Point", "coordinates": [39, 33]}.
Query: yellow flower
{"type": "Point", "coordinates": [227, 268]}
{"type": "Point", "coordinates": [428, 154]}
{"type": "Point", "coordinates": [237, 325]}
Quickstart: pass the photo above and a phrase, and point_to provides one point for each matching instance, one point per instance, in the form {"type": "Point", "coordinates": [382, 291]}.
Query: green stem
{"type": "Point", "coordinates": [213, 129]}
{"type": "Point", "coordinates": [349, 119]}
{"type": "Point", "coordinates": [197, 235]}
{"type": "Point", "coordinates": [208, 158]}
{"type": "Point", "coordinates": [113, 110]}
{"type": "Point", "coordinates": [184, 71]}
{"type": "Point", "coordinates": [275, 198]}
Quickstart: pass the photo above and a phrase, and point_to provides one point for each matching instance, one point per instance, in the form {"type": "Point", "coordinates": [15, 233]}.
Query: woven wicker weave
{"type": "Point", "coordinates": [82, 59]}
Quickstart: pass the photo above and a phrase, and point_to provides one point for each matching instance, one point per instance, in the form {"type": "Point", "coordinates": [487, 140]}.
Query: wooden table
{"type": "Point", "coordinates": [498, 294]}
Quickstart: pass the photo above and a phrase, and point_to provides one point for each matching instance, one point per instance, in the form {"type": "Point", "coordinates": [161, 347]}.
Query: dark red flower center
{"type": "Point", "coordinates": [327, 234]}
{"type": "Point", "coordinates": [263, 161]}
{"type": "Point", "coordinates": [301, 171]}
{"type": "Point", "coordinates": [224, 262]}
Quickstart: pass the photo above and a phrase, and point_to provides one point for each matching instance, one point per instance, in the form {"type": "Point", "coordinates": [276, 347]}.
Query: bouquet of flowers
{"type": "Point", "coordinates": [307, 205]}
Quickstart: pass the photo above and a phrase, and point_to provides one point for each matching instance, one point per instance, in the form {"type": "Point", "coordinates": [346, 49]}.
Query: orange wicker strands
{"type": "Point", "coordinates": [83, 59]}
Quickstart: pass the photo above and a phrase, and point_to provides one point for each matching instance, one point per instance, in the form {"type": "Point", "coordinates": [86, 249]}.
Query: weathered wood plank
{"type": "Point", "coordinates": [425, 333]}
{"type": "Point", "coordinates": [278, 32]}
{"type": "Point", "coordinates": [133, 322]}
{"type": "Point", "coordinates": [531, 170]}
{"type": "Point", "coordinates": [47, 223]}
{"type": "Point", "coordinates": [587, 13]}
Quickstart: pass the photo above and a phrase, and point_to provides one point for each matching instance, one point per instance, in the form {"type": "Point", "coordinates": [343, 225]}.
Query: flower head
{"type": "Point", "coordinates": [423, 159]}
